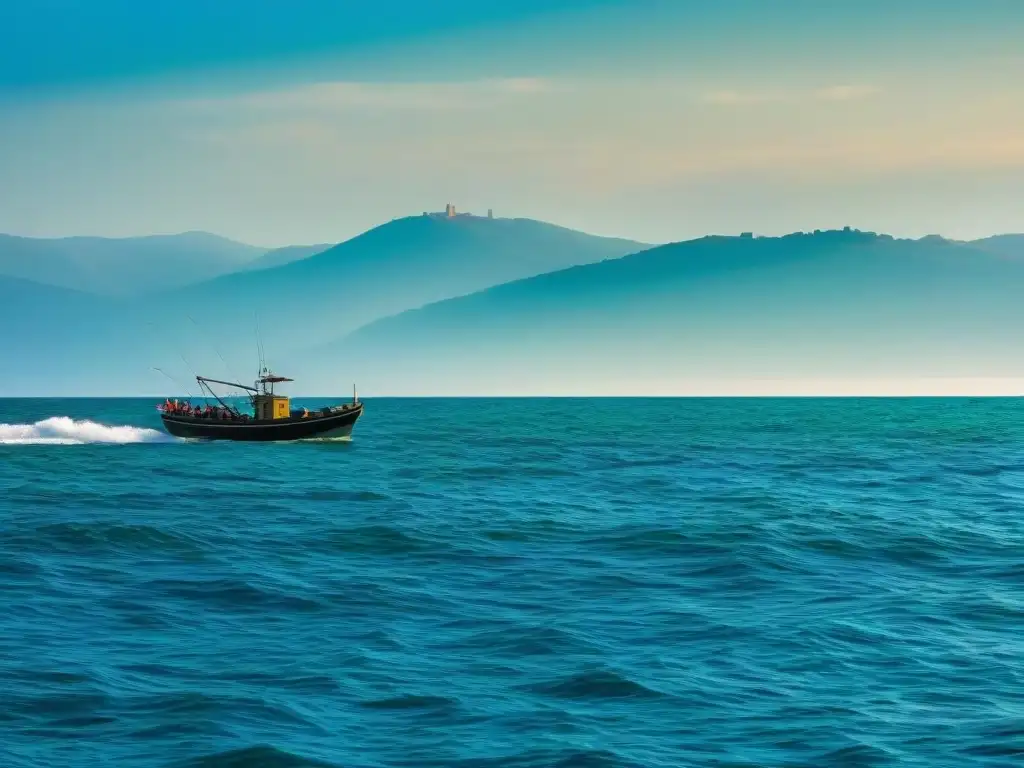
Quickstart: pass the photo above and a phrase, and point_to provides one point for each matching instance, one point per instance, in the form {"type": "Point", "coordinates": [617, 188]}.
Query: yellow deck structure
{"type": "Point", "coordinates": [269, 407]}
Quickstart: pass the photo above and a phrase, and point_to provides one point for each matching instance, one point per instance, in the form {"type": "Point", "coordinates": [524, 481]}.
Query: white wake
{"type": "Point", "coordinates": [63, 430]}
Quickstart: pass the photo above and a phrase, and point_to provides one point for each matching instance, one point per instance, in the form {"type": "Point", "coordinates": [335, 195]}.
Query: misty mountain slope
{"type": "Point", "coordinates": [825, 304]}
{"type": "Point", "coordinates": [61, 342]}
{"type": "Point", "coordinates": [278, 257]}
{"type": "Point", "coordinates": [30, 311]}
{"type": "Point", "coordinates": [396, 266]}
{"type": "Point", "coordinates": [210, 327]}
{"type": "Point", "coordinates": [1006, 245]}
{"type": "Point", "coordinates": [123, 266]}
{"type": "Point", "coordinates": [53, 337]}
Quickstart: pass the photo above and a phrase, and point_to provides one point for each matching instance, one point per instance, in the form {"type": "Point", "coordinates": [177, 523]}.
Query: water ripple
{"type": "Point", "coordinates": [643, 584]}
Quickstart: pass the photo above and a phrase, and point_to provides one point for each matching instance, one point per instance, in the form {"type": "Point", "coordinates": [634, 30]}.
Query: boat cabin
{"type": "Point", "coordinates": [269, 406]}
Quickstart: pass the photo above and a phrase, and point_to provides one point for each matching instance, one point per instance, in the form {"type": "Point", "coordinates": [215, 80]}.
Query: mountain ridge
{"type": "Point", "coordinates": [400, 264]}
{"type": "Point", "coordinates": [1009, 244]}
{"type": "Point", "coordinates": [138, 265]}
{"type": "Point", "coordinates": [833, 303]}
{"type": "Point", "coordinates": [462, 305]}
{"type": "Point", "coordinates": [405, 262]}
{"type": "Point", "coordinates": [122, 266]}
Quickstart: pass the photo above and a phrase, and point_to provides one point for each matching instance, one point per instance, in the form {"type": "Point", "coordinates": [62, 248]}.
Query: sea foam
{"type": "Point", "coordinates": [63, 430]}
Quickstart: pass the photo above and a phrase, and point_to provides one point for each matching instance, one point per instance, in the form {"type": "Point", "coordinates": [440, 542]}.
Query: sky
{"type": "Point", "coordinates": [310, 122]}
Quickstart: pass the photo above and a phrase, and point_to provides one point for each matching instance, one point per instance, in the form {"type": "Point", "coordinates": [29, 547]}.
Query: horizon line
{"type": "Point", "coordinates": [558, 397]}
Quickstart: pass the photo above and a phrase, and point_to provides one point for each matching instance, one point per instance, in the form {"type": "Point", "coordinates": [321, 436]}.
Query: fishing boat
{"type": "Point", "coordinates": [272, 418]}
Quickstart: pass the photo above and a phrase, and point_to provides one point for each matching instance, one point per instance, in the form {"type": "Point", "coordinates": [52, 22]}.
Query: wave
{"type": "Point", "coordinates": [595, 684]}
{"type": "Point", "coordinates": [63, 430]}
{"type": "Point", "coordinates": [266, 756]}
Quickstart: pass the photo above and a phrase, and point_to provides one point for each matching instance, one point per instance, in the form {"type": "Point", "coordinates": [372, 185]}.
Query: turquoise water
{"type": "Point", "coordinates": [518, 583]}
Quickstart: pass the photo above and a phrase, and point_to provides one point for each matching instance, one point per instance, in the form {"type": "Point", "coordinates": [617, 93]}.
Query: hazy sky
{"type": "Point", "coordinates": [304, 122]}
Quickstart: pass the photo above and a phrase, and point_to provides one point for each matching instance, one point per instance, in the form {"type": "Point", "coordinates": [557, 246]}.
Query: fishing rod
{"type": "Point", "coordinates": [181, 354]}
{"type": "Point", "coordinates": [174, 380]}
{"type": "Point", "coordinates": [227, 367]}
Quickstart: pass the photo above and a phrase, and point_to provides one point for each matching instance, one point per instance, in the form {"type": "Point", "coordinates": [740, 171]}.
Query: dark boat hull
{"type": "Point", "coordinates": [330, 426]}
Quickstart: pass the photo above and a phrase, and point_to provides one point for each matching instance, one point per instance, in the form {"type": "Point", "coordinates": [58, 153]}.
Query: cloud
{"type": "Point", "coordinates": [342, 95]}
{"type": "Point", "coordinates": [751, 97]}
{"type": "Point", "coordinates": [738, 98]}
{"type": "Point", "coordinates": [299, 133]}
{"type": "Point", "coordinates": [339, 96]}
{"type": "Point", "coordinates": [526, 84]}
{"type": "Point", "coordinates": [609, 166]}
{"type": "Point", "coordinates": [600, 137]}
{"type": "Point", "coordinates": [847, 92]}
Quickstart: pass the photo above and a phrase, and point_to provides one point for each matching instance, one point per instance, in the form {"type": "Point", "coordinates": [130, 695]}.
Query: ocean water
{"type": "Point", "coordinates": [490, 583]}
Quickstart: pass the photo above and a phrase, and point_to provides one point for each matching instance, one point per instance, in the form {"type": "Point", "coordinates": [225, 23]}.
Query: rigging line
{"type": "Point", "coordinates": [176, 382]}
{"type": "Point", "coordinates": [256, 331]}
{"type": "Point", "coordinates": [216, 397]}
{"type": "Point", "coordinates": [215, 349]}
{"type": "Point", "coordinates": [259, 343]}
{"type": "Point", "coordinates": [181, 354]}
{"type": "Point", "coordinates": [187, 363]}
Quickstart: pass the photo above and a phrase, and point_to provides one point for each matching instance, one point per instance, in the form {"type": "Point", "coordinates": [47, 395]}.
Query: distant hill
{"type": "Point", "coordinates": [829, 304]}
{"type": "Point", "coordinates": [123, 266]}
{"type": "Point", "coordinates": [209, 327]}
{"type": "Point", "coordinates": [1005, 245]}
{"type": "Point", "coordinates": [280, 256]}
{"type": "Point", "coordinates": [55, 339]}
{"type": "Point", "coordinates": [477, 306]}
{"type": "Point", "coordinates": [30, 310]}
{"type": "Point", "coordinates": [397, 266]}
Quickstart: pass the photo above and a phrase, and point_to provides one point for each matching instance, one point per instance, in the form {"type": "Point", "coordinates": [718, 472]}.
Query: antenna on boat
{"type": "Point", "coordinates": [259, 345]}
{"type": "Point", "coordinates": [354, 398]}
